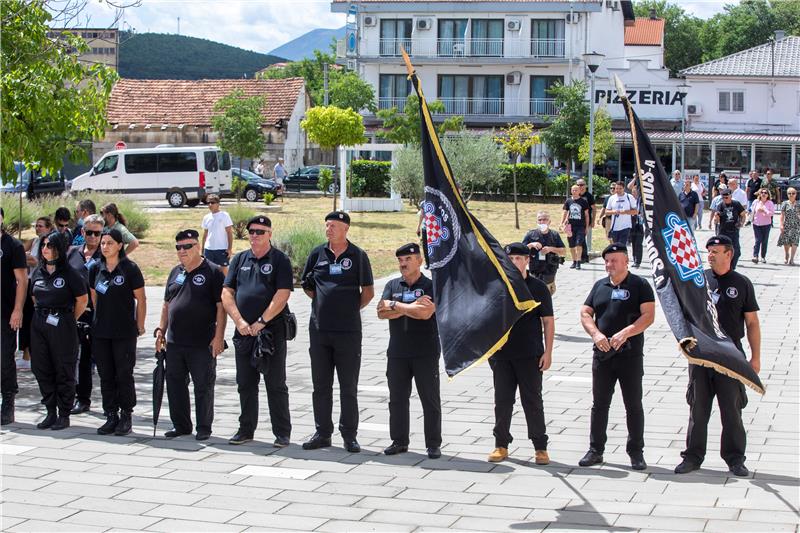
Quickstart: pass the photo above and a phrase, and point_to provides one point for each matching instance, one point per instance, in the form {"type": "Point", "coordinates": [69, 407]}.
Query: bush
{"type": "Point", "coordinates": [240, 214]}
{"type": "Point", "coordinates": [325, 180]}
{"type": "Point", "coordinates": [237, 187]}
{"type": "Point", "coordinates": [600, 186]}
{"type": "Point", "coordinates": [369, 178]}
{"type": "Point", "coordinates": [13, 219]}
{"type": "Point", "coordinates": [559, 186]}
{"type": "Point", "coordinates": [297, 242]}
{"type": "Point", "coordinates": [268, 198]}
{"type": "Point", "coordinates": [531, 179]}
{"type": "Point", "coordinates": [407, 174]}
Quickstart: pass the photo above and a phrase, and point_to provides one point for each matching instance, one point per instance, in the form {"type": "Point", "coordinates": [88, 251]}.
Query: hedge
{"type": "Point", "coordinates": [531, 179]}
{"type": "Point", "coordinates": [369, 178]}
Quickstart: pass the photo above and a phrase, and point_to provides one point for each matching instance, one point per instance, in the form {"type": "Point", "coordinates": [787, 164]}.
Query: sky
{"type": "Point", "coordinates": [259, 25]}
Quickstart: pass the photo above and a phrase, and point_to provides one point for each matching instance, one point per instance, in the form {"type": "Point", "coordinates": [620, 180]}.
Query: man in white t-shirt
{"type": "Point", "coordinates": [620, 206]}
{"type": "Point", "coordinates": [217, 234]}
{"type": "Point", "coordinates": [737, 193]}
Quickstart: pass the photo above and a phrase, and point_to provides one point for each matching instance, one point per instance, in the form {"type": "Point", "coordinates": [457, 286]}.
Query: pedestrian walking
{"type": "Point", "coordinates": [279, 172]}
{"type": "Point", "coordinates": [120, 308]}
{"type": "Point", "coordinates": [752, 186]}
{"type": "Point", "coordinates": [700, 189]}
{"type": "Point", "coordinates": [637, 228]}
{"type": "Point", "coordinates": [574, 222]}
{"type": "Point", "coordinates": [60, 297]}
{"type": "Point", "coordinates": [83, 209]}
{"type": "Point", "coordinates": [737, 308]}
{"type": "Point", "coordinates": [217, 234]}
{"type": "Point", "coordinates": [737, 193]}
{"type": "Point", "coordinates": [620, 206]}
{"type": "Point", "coordinates": [690, 202]}
{"type": "Point", "coordinates": [762, 210]}
{"type": "Point", "coordinates": [13, 293]}
{"type": "Point", "coordinates": [520, 364]}
{"type": "Point", "coordinates": [116, 220]}
{"type": "Point", "coordinates": [730, 215]}
{"type": "Point", "coordinates": [676, 182]}
{"type": "Point", "coordinates": [790, 226]}
{"type": "Point", "coordinates": [413, 352]}
{"type": "Point", "coordinates": [547, 251]}
{"type": "Point", "coordinates": [256, 290]}
{"type": "Point", "coordinates": [338, 279]}
{"type": "Point", "coordinates": [615, 314]}
{"type": "Point", "coordinates": [590, 200]}
{"type": "Point", "coordinates": [192, 330]}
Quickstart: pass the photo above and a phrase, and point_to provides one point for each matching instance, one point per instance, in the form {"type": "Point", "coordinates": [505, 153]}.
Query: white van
{"type": "Point", "coordinates": [181, 175]}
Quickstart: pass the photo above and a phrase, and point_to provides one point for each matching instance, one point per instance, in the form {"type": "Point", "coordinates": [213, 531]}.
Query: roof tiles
{"type": "Point", "coordinates": [645, 32]}
{"type": "Point", "coordinates": [756, 61]}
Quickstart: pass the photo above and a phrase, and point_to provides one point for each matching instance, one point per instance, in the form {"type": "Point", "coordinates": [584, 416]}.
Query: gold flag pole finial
{"type": "Point", "coordinates": [407, 60]}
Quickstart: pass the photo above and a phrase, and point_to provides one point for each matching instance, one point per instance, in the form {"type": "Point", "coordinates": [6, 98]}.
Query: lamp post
{"type": "Point", "coordinates": [592, 61]}
{"type": "Point", "coordinates": [683, 88]}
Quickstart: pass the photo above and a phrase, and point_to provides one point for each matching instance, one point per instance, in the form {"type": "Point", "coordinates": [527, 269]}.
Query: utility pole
{"type": "Point", "coordinates": [325, 83]}
{"type": "Point", "coordinates": [179, 25]}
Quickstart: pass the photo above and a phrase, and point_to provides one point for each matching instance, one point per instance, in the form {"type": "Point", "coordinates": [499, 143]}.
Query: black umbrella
{"type": "Point", "coordinates": [159, 375]}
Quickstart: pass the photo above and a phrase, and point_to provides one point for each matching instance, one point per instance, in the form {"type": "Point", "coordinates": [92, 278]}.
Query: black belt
{"type": "Point", "coordinates": [54, 310]}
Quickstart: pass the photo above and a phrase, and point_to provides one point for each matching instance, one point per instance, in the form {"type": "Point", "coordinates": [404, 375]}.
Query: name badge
{"type": "Point", "coordinates": [408, 297]}
{"type": "Point", "coordinates": [101, 287]}
{"type": "Point", "coordinates": [619, 294]}
{"type": "Point", "coordinates": [52, 320]}
{"type": "Point", "coordinates": [181, 278]}
{"type": "Point", "coordinates": [715, 297]}
{"type": "Point", "coordinates": [90, 263]}
{"type": "Point", "coordinates": [334, 269]}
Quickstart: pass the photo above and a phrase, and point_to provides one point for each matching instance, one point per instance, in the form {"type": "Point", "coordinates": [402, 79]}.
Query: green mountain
{"type": "Point", "coordinates": [177, 57]}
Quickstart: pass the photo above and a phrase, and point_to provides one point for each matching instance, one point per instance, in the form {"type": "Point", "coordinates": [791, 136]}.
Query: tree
{"type": "Point", "coordinates": [51, 103]}
{"type": "Point", "coordinates": [348, 90]}
{"type": "Point", "coordinates": [402, 127]}
{"type": "Point", "coordinates": [238, 122]}
{"type": "Point", "coordinates": [311, 70]}
{"type": "Point", "coordinates": [331, 127]}
{"type": "Point", "coordinates": [517, 140]}
{"type": "Point", "coordinates": [475, 160]}
{"type": "Point", "coordinates": [603, 138]}
{"type": "Point", "coordinates": [406, 174]}
{"type": "Point", "coordinates": [682, 33]}
{"type": "Point", "coordinates": [563, 136]}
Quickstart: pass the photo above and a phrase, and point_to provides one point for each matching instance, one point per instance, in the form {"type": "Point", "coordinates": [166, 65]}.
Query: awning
{"type": "Point", "coordinates": [712, 136]}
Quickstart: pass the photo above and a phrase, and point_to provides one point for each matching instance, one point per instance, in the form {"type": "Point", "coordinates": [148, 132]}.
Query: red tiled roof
{"type": "Point", "coordinates": [191, 102]}
{"type": "Point", "coordinates": [645, 32]}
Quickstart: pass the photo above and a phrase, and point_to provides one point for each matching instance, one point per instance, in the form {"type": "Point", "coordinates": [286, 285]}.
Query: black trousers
{"type": "Point", "coordinates": [628, 370]}
{"type": "Point", "coordinates": [637, 240]}
{"type": "Point", "coordinates": [761, 234]}
{"type": "Point", "coordinates": [54, 351]}
{"type": "Point", "coordinates": [115, 360]}
{"type": "Point", "coordinates": [704, 384]}
{"type": "Point", "coordinates": [27, 319]}
{"type": "Point", "coordinates": [247, 379]}
{"type": "Point", "coordinates": [510, 374]}
{"type": "Point", "coordinates": [83, 388]}
{"type": "Point", "coordinates": [424, 371]}
{"type": "Point", "coordinates": [339, 351]}
{"type": "Point", "coordinates": [8, 348]}
{"type": "Point", "coordinates": [737, 250]}
{"type": "Point", "coordinates": [183, 361]}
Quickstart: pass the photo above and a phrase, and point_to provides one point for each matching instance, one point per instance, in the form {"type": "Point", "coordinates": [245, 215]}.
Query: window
{"type": "Point", "coordinates": [393, 90]}
{"type": "Point", "coordinates": [487, 38]}
{"type": "Point", "coordinates": [395, 33]}
{"type": "Point", "coordinates": [731, 101]}
{"type": "Point", "coordinates": [471, 95]}
{"type": "Point", "coordinates": [452, 33]}
{"type": "Point", "coordinates": [178, 162]}
{"type": "Point", "coordinates": [141, 163]}
{"type": "Point", "coordinates": [108, 164]}
{"type": "Point", "coordinates": [547, 38]}
{"type": "Point", "coordinates": [542, 102]}
{"type": "Point", "coordinates": [210, 160]}
{"type": "Point", "coordinates": [225, 160]}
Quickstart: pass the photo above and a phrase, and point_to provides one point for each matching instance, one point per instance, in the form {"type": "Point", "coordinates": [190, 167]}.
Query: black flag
{"type": "Point", "coordinates": [479, 293]}
{"type": "Point", "coordinates": [678, 274]}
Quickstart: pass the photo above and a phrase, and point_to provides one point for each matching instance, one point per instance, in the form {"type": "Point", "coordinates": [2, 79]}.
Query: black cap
{"type": "Point", "coordinates": [615, 247]}
{"type": "Point", "coordinates": [341, 216]}
{"type": "Point", "coordinates": [186, 234]}
{"type": "Point", "coordinates": [261, 220]}
{"type": "Point", "coordinates": [407, 249]}
{"type": "Point", "coordinates": [517, 248]}
{"type": "Point", "coordinates": [719, 240]}
{"type": "Point", "coordinates": [725, 192]}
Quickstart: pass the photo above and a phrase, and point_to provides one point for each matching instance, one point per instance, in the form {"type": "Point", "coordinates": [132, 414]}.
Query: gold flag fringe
{"type": "Point", "coordinates": [691, 342]}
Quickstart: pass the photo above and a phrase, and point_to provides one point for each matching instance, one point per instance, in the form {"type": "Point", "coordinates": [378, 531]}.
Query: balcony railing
{"type": "Point", "coordinates": [456, 47]}
{"type": "Point", "coordinates": [486, 107]}
{"type": "Point", "coordinates": [388, 103]}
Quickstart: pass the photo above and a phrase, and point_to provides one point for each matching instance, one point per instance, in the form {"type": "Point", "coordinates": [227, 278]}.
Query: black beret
{"type": "Point", "coordinates": [186, 234]}
{"type": "Point", "coordinates": [517, 248]}
{"type": "Point", "coordinates": [341, 216]}
{"type": "Point", "coordinates": [719, 240]}
{"type": "Point", "coordinates": [407, 249]}
{"type": "Point", "coordinates": [261, 220]}
{"type": "Point", "coordinates": [114, 234]}
{"type": "Point", "coordinates": [615, 247]}
{"type": "Point", "coordinates": [725, 192]}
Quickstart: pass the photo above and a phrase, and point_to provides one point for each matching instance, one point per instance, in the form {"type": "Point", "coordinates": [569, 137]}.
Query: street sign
{"type": "Point", "coordinates": [120, 145]}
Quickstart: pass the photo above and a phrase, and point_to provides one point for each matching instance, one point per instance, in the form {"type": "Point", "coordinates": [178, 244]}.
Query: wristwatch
{"type": "Point", "coordinates": [392, 304]}
{"type": "Point", "coordinates": [261, 321]}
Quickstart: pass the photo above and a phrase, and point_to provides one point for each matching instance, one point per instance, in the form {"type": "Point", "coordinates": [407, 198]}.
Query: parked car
{"type": "Point", "coordinates": [307, 178]}
{"type": "Point", "coordinates": [784, 183]}
{"type": "Point", "coordinates": [33, 183]}
{"type": "Point", "coordinates": [256, 185]}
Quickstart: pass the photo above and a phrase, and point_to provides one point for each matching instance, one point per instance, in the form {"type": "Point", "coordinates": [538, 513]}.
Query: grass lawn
{"type": "Point", "coordinates": [380, 234]}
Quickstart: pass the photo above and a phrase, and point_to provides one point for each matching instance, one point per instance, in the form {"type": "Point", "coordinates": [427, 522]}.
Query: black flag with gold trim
{"type": "Point", "coordinates": [678, 275]}
{"type": "Point", "coordinates": [479, 293]}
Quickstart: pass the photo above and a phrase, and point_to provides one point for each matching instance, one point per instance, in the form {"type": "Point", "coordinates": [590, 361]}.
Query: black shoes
{"type": "Point", "coordinates": [578, 265]}
{"type": "Point", "coordinates": [7, 411]}
{"type": "Point", "coordinates": [396, 448]}
{"type": "Point", "coordinates": [48, 421]}
{"type": "Point", "coordinates": [125, 424]}
{"type": "Point", "coordinates": [434, 453]}
{"type": "Point", "coordinates": [638, 462]}
{"type": "Point", "coordinates": [739, 470]}
{"type": "Point", "coordinates": [281, 442]}
{"type": "Point", "coordinates": [79, 407]}
{"type": "Point", "coordinates": [591, 458]}
{"type": "Point", "coordinates": [574, 265]}
{"type": "Point", "coordinates": [112, 419]}
{"type": "Point", "coordinates": [317, 441]}
{"type": "Point", "coordinates": [240, 438]}
{"type": "Point", "coordinates": [62, 422]}
{"type": "Point", "coordinates": [353, 446]}
{"type": "Point", "coordinates": [686, 466]}
{"type": "Point", "coordinates": [202, 435]}
{"type": "Point", "coordinates": [172, 433]}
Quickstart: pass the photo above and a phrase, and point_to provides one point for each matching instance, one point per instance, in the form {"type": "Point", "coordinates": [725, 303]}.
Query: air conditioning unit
{"type": "Point", "coordinates": [341, 48]}
{"type": "Point", "coordinates": [514, 25]}
{"type": "Point", "coordinates": [514, 78]}
{"type": "Point", "coordinates": [694, 110]}
{"type": "Point", "coordinates": [424, 24]}
{"type": "Point", "coordinates": [370, 20]}
{"type": "Point", "coordinates": [573, 18]}
{"type": "Point", "coordinates": [352, 64]}
{"type": "Point", "coordinates": [612, 4]}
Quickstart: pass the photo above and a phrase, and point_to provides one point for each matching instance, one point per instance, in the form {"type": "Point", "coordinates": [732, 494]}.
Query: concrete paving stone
{"type": "Point", "coordinates": [336, 526]}
{"type": "Point", "coordinates": [159, 496]}
{"type": "Point", "coordinates": [430, 484]}
{"type": "Point", "coordinates": [106, 446]}
{"type": "Point", "coordinates": [781, 517]}
{"type": "Point", "coordinates": [7, 523]}
{"type": "Point", "coordinates": [6, 460]}
{"type": "Point", "coordinates": [23, 483]}
{"type": "Point", "coordinates": [661, 523]}
{"type": "Point", "coordinates": [99, 491]}
{"type": "Point", "coordinates": [42, 512]}
{"type": "Point", "coordinates": [360, 490]}
{"type": "Point", "coordinates": [205, 465]}
{"type": "Point", "coordinates": [324, 511]}
{"type": "Point", "coordinates": [191, 526]}
{"type": "Point", "coordinates": [472, 523]}
{"type": "Point", "coordinates": [162, 484]}
{"type": "Point", "coordinates": [279, 483]}
{"type": "Point", "coordinates": [415, 519]}
{"type": "Point", "coordinates": [620, 485]}
{"type": "Point", "coordinates": [612, 507]}
{"type": "Point", "coordinates": [693, 511]}
{"type": "Point", "coordinates": [401, 504]}
{"type": "Point", "coordinates": [121, 459]}
{"type": "Point", "coordinates": [26, 471]}
{"type": "Point", "coordinates": [725, 526]}
{"type": "Point", "coordinates": [358, 479]}
{"type": "Point", "coordinates": [448, 496]}
{"type": "Point", "coordinates": [199, 513]}
{"type": "Point", "coordinates": [318, 498]}
{"type": "Point", "coordinates": [485, 510]}
{"type": "Point", "coordinates": [240, 504]}
{"type": "Point", "coordinates": [482, 488]}
{"type": "Point", "coordinates": [34, 497]}
{"type": "Point", "coordinates": [375, 469]}
{"type": "Point", "coordinates": [696, 500]}
{"type": "Point", "coordinates": [45, 526]}
{"type": "Point", "coordinates": [94, 478]}
{"type": "Point", "coordinates": [279, 521]}
{"type": "Point", "coordinates": [112, 505]}
{"type": "Point", "coordinates": [204, 477]}
{"type": "Point", "coordinates": [273, 472]}
{"type": "Point", "coordinates": [131, 470]}
{"type": "Point", "coordinates": [236, 491]}
{"type": "Point", "coordinates": [310, 464]}
{"type": "Point", "coordinates": [524, 501]}
{"type": "Point", "coordinates": [572, 492]}
{"type": "Point", "coordinates": [169, 453]}
{"type": "Point", "coordinates": [93, 518]}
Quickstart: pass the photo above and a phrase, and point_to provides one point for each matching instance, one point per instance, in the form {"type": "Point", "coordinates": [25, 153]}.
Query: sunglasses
{"type": "Point", "coordinates": [256, 231]}
{"type": "Point", "coordinates": [50, 245]}
{"type": "Point", "coordinates": [213, 202]}
{"type": "Point", "coordinates": [60, 225]}
{"type": "Point", "coordinates": [184, 246]}
{"type": "Point", "coordinates": [792, 193]}
{"type": "Point", "coordinates": [92, 233]}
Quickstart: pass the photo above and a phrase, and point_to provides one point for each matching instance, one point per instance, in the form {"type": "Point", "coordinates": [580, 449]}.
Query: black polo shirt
{"type": "Point", "coordinates": [411, 337]}
{"type": "Point", "coordinates": [575, 209]}
{"type": "Point", "coordinates": [255, 281]}
{"type": "Point", "coordinates": [78, 261]}
{"type": "Point", "coordinates": [617, 307]}
{"type": "Point", "coordinates": [57, 290]}
{"type": "Point", "coordinates": [688, 202]}
{"type": "Point", "coordinates": [589, 197]}
{"type": "Point", "coordinates": [192, 299]}
{"type": "Point", "coordinates": [115, 308]}
{"type": "Point", "coordinates": [525, 340]}
{"type": "Point", "coordinates": [753, 185]}
{"type": "Point", "coordinates": [537, 264]}
{"type": "Point", "coordinates": [337, 298]}
{"type": "Point", "coordinates": [12, 257]}
{"type": "Point", "coordinates": [729, 216]}
{"type": "Point", "coordinates": [733, 296]}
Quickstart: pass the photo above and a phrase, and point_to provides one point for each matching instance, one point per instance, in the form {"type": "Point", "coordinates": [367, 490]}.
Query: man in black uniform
{"type": "Point", "coordinates": [338, 279]}
{"type": "Point", "coordinates": [81, 258]}
{"type": "Point", "coordinates": [615, 314]}
{"type": "Point", "coordinates": [735, 301]}
{"type": "Point", "coordinates": [730, 216]}
{"type": "Point", "coordinates": [547, 250]}
{"type": "Point", "coordinates": [257, 288]}
{"type": "Point", "coordinates": [413, 352]}
{"type": "Point", "coordinates": [192, 328]}
{"type": "Point", "coordinates": [520, 363]}
{"type": "Point", "coordinates": [13, 291]}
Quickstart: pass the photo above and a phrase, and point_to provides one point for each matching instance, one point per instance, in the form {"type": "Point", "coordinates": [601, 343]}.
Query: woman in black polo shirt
{"type": "Point", "coordinates": [117, 288]}
{"type": "Point", "coordinates": [59, 296]}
